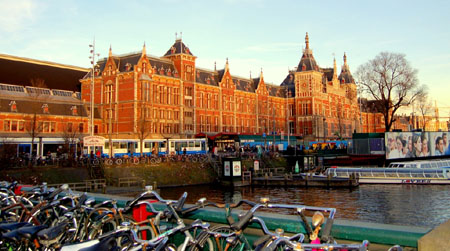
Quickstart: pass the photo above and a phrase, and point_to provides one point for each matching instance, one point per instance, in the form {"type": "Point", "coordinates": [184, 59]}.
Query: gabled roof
{"type": "Point", "coordinates": [243, 84]}
{"type": "Point", "coordinates": [178, 48]}
{"type": "Point", "coordinates": [126, 63]}
{"type": "Point", "coordinates": [207, 77]}
{"type": "Point", "coordinates": [276, 91]}
{"type": "Point", "coordinates": [19, 71]}
{"type": "Point", "coordinates": [163, 67]}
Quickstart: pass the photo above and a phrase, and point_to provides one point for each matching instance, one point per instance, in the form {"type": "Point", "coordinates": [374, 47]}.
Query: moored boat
{"type": "Point", "coordinates": [413, 172]}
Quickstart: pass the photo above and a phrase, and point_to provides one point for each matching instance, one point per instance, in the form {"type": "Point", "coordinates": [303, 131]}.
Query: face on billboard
{"type": "Point", "coordinates": [414, 144]}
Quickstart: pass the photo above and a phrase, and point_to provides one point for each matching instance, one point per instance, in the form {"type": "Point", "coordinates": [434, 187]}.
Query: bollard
{"type": "Point", "coordinates": [154, 185]}
{"type": "Point", "coordinates": [143, 183]}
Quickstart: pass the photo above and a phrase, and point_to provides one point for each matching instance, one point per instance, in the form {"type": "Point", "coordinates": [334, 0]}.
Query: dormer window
{"type": "Point", "coordinates": [208, 80]}
{"type": "Point", "coordinates": [45, 108]}
{"type": "Point", "coordinates": [172, 50]}
{"type": "Point", "coordinates": [97, 71]}
{"type": "Point", "coordinates": [169, 72]}
{"type": "Point", "coordinates": [127, 66]}
{"type": "Point", "coordinates": [175, 73]}
{"type": "Point", "coordinates": [198, 74]}
{"type": "Point", "coordinates": [74, 110]}
{"type": "Point", "coordinates": [161, 70]}
{"type": "Point", "coordinates": [13, 106]}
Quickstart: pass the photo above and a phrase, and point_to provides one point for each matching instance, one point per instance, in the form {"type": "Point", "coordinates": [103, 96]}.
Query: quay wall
{"type": "Point", "coordinates": [376, 233]}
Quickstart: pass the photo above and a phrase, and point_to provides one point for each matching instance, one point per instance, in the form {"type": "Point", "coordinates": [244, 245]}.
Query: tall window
{"type": "Point", "coordinates": [146, 91]}
{"type": "Point", "coordinates": [216, 101]}
{"type": "Point", "coordinates": [109, 94]}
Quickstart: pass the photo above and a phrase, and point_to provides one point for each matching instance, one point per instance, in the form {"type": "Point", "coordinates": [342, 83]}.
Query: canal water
{"type": "Point", "coordinates": [413, 205]}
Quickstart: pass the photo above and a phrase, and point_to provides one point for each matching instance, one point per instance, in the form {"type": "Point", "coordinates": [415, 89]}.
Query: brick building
{"type": "Point", "coordinates": [40, 103]}
{"type": "Point", "coordinates": [171, 97]}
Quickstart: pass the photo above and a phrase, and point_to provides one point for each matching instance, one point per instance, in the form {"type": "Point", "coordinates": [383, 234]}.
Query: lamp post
{"type": "Point", "coordinates": [360, 108]}
{"type": "Point", "coordinates": [92, 57]}
{"type": "Point", "coordinates": [287, 114]}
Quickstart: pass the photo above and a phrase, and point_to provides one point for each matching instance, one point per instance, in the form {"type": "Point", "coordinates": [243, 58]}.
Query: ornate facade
{"type": "Point", "coordinates": [169, 96]}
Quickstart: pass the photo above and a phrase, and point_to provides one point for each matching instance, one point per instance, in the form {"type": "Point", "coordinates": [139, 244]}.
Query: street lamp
{"type": "Point", "coordinates": [92, 57]}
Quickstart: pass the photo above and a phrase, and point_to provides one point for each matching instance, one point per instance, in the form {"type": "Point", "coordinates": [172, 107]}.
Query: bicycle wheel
{"type": "Point", "coordinates": [110, 223]}
{"type": "Point", "coordinates": [118, 162]}
{"type": "Point", "coordinates": [213, 243]}
{"type": "Point", "coordinates": [109, 162]}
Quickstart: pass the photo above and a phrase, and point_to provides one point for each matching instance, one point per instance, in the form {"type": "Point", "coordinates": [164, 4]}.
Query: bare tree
{"type": "Point", "coordinates": [71, 135]}
{"type": "Point", "coordinates": [424, 107]}
{"type": "Point", "coordinates": [32, 124]}
{"type": "Point", "coordinates": [389, 79]}
{"type": "Point", "coordinates": [143, 130]}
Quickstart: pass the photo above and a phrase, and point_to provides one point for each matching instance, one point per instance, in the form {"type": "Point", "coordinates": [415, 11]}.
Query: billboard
{"type": "Point", "coordinates": [416, 144]}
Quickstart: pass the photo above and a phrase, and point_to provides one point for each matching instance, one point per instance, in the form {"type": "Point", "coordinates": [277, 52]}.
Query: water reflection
{"type": "Point", "coordinates": [391, 204]}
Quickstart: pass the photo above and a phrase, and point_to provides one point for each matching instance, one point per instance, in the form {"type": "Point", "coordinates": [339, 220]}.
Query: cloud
{"type": "Point", "coordinates": [14, 15]}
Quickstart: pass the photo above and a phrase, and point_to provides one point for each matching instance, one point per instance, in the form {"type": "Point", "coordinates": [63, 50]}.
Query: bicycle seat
{"type": "Point", "coordinates": [30, 232]}
{"type": "Point", "coordinates": [52, 232]}
{"type": "Point", "coordinates": [13, 236]}
{"type": "Point", "coordinates": [6, 227]}
{"type": "Point", "coordinates": [105, 244]}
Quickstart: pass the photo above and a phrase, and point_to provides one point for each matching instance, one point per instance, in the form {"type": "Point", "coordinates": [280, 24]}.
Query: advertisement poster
{"type": "Point", "coordinates": [416, 144]}
{"type": "Point", "coordinates": [236, 168]}
{"type": "Point", "coordinates": [226, 169]}
{"type": "Point", "coordinates": [256, 165]}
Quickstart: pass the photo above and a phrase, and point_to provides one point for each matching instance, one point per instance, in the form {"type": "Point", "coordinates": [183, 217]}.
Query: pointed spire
{"type": "Point", "coordinates": [334, 64]}
{"type": "Point", "coordinates": [334, 67]}
{"type": "Point", "coordinates": [226, 65]}
{"type": "Point", "coordinates": [110, 51]}
{"type": "Point", "coordinates": [250, 74]}
{"type": "Point", "coordinates": [307, 41]}
{"type": "Point", "coordinates": [261, 76]}
{"type": "Point", "coordinates": [345, 59]}
{"type": "Point", "coordinates": [215, 68]}
{"type": "Point", "coordinates": [144, 50]}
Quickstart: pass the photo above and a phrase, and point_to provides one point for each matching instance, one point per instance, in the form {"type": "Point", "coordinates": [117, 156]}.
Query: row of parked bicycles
{"type": "Point", "coordinates": [157, 159]}
{"type": "Point", "coordinates": [57, 219]}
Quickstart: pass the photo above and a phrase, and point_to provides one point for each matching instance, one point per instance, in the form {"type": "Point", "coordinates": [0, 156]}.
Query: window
{"type": "Point", "coordinates": [14, 126]}
{"type": "Point", "coordinates": [52, 126]}
{"type": "Point", "coordinates": [81, 127]}
{"type": "Point", "coordinates": [216, 101]}
{"type": "Point", "coordinates": [21, 126]}
{"type": "Point", "coordinates": [96, 129]}
{"type": "Point", "coordinates": [146, 91]}
{"type": "Point", "coordinates": [6, 125]}
{"type": "Point", "coordinates": [69, 127]}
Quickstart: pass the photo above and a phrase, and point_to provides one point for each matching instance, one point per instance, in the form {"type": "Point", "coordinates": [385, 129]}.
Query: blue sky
{"type": "Point", "coordinates": [253, 34]}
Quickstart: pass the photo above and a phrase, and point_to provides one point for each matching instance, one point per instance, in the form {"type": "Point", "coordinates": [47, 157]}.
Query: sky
{"type": "Point", "coordinates": [255, 35]}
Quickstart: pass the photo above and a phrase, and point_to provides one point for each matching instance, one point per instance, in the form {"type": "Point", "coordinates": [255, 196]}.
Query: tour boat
{"type": "Point", "coordinates": [413, 172]}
